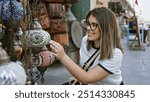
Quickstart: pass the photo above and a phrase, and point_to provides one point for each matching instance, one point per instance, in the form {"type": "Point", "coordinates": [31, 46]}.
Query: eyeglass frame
{"type": "Point", "coordinates": [87, 24]}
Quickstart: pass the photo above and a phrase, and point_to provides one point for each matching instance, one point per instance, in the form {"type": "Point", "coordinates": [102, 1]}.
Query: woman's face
{"type": "Point", "coordinates": [93, 29]}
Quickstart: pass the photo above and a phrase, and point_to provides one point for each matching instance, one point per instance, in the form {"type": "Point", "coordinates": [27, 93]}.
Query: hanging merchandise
{"type": "Point", "coordinates": [39, 37]}
{"type": "Point", "coordinates": [11, 9]}
{"type": "Point", "coordinates": [45, 58]}
{"type": "Point", "coordinates": [55, 10]}
{"type": "Point", "coordinates": [58, 26]}
{"type": "Point", "coordinates": [58, 20]}
{"type": "Point", "coordinates": [43, 16]}
{"type": "Point", "coordinates": [62, 38]}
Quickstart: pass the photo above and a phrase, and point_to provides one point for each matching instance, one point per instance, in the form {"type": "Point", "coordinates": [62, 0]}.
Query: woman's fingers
{"type": "Point", "coordinates": [52, 42]}
{"type": "Point", "coordinates": [57, 49]}
{"type": "Point", "coordinates": [54, 45]}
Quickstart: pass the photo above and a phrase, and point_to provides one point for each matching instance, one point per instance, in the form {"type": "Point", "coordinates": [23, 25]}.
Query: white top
{"type": "Point", "coordinates": [112, 65]}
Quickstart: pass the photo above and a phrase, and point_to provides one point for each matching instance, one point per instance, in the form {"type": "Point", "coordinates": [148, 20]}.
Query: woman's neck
{"type": "Point", "coordinates": [96, 44]}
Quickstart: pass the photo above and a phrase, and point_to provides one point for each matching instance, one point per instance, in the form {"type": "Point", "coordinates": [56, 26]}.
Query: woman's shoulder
{"type": "Point", "coordinates": [117, 50]}
{"type": "Point", "coordinates": [117, 53]}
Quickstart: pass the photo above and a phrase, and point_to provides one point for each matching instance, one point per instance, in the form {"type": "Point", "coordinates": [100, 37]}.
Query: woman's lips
{"type": "Point", "coordinates": [90, 34]}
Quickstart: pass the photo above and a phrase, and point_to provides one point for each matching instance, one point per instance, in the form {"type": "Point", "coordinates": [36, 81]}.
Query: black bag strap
{"type": "Point", "coordinates": [87, 65]}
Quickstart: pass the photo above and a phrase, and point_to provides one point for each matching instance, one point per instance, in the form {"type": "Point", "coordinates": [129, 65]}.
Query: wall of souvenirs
{"type": "Point", "coordinates": [26, 27]}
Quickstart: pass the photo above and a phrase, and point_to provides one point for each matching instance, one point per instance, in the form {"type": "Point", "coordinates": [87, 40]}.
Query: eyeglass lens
{"type": "Point", "coordinates": [92, 25]}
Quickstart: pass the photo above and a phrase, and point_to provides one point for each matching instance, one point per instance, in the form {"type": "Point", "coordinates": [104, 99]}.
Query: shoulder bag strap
{"type": "Point", "coordinates": [91, 60]}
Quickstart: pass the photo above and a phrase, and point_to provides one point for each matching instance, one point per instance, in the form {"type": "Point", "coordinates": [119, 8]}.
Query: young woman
{"type": "Point", "coordinates": [103, 34]}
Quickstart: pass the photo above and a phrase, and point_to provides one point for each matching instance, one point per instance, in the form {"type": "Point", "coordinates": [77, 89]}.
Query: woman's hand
{"type": "Point", "coordinates": [57, 49]}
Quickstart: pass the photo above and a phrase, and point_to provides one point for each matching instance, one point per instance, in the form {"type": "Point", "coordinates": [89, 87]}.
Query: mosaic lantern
{"type": "Point", "coordinates": [39, 37]}
{"type": "Point", "coordinates": [45, 58]}
{"type": "Point", "coordinates": [11, 73]}
{"type": "Point", "coordinates": [11, 9]}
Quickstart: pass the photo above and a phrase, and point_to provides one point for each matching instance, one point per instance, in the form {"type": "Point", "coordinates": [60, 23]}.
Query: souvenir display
{"type": "Point", "coordinates": [55, 10]}
{"type": "Point", "coordinates": [43, 16]}
{"type": "Point", "coordinates": [58, 26]}
{"type": "Point", "coordinates": [62, 38]}
{"type": "Point", "coordinates": [11, 9]}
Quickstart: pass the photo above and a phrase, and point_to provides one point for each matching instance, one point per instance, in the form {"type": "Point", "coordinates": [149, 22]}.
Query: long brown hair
{"type": "Point", "coordinates": [109, 30]}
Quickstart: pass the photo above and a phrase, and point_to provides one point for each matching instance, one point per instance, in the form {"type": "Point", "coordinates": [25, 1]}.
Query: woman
{"type": "Point", "coordinates": [102, 33]}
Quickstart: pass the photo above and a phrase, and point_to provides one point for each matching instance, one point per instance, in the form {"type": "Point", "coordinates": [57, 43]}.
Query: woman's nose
{"type": "Point", "coordinates": [88, 28]}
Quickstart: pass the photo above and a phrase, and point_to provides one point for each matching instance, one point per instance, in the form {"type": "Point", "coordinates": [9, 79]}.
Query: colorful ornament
{"type": "Point", "coordinates": [11, 9]}
{"type": "Point", "coordinates": [39, 37]}
{"type": "Point", "coordinates": [45, 58]}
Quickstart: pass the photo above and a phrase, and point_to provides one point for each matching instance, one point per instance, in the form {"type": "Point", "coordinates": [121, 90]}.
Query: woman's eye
{"type": "Point", "coordinates": [87, 23]}
{"type": "Point", "coordinates": [94, 24]}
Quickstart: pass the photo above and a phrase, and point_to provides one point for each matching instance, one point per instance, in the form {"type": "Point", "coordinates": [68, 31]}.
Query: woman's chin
{"type": "Point", "coordinates": [90, 38]}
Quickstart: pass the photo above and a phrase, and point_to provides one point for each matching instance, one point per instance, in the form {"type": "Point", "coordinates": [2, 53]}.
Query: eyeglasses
{"type": "Point", "coordinates": [92, 25]}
